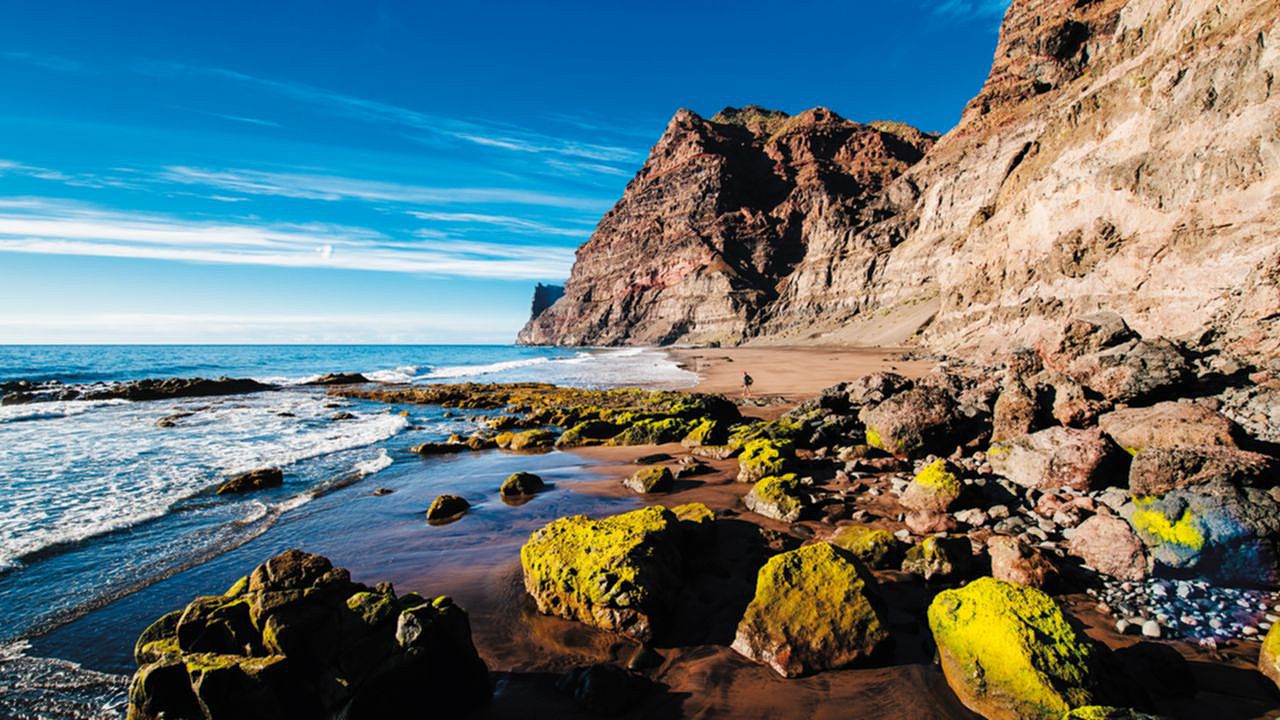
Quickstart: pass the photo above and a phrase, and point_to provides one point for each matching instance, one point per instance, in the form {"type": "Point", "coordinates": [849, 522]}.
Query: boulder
{"type": "Point", "coordinates": [1269, 657]}
{"type": "Point", "coordinates": [1109, 545]}
{"type": "Point", "coordinates": [915, 422]}
{"type": "Point", "coordinates": [1058, 457]}
{"type": "Point", "coordinates": [588, 432]}
{"type": "Point", "coordinates": [1157, 471]}
{"type": "Point", "coordinates": [934, 489]}
{"type": "Point", "coordinates": [1010, 653]}
{"type": "Point", "coordinates": [338, 379]}
{"type": "Point", "coordinates": [935, 558]}
{"type": "Point", "coordinates": [150, 389]}
{"type": "Point", "coordinates": [1168, 425]}
{"type": "Point", "coordinates": [764, 457]}
{"type": "Point", "coordinates": [444, 448]}
{"type": "Point", "coordinates": [1225, 532]}
{"type": "Point", "coordinates": [698, 522]}
{"type": "Point", "coordinates": [447, 507]}
{"type": "Point", "coordinates": [1101, 353]}
{"type": "Point", "coordinates": [253, 480]}
{"type": "Point", "coordinates": [1017, 562]}
{"type": "Point", "coordinates": [1017, 411]}
{"type": "Point", "coordinates": [618, 573]}
{"type": "Point", "coordinates": [874, 547]}
{"type": "Point", "coordinates": [536, 440]}
{"type": "Point", "coordinates": [653, 431]}
{"type": "Point", "coordinates": [1074, 405]}
{"type": "Point", "coordinates": [814, 609]}
{"type": "Point", "coordinates": [653, 479]}
{"type": "Point", "coordinates": [298, 639]}
{"type": "Point", "coordinates": [521, 484]}
{"type": "Point", "coordinates": [780, 497]}
{"type": "Point", "coordinates": [707, 432]}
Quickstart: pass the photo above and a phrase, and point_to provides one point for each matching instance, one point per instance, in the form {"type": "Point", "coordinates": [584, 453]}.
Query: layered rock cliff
{"type": "Point", "coordinates": [1122, 155]}
{"type": "Point", "coordinates": [698, 245]}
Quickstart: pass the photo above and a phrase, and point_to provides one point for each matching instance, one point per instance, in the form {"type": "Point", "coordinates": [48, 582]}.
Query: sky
{"type": "Point", "coordinates": [388, 172]}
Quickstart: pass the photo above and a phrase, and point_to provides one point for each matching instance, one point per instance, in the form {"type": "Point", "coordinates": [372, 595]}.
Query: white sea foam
{"type": "Point", "coordinates": [60, 689]}
{"type": "Point", "coordinates": [403, 374]}
{"type": "Point", "coordinates": [80, 474]}
{"type": "Point", "coordinates": [460, 371]}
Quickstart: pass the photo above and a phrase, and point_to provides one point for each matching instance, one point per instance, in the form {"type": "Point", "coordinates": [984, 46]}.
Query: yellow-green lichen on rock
{"type": "Point", "coordinates": [813, 610]}
{"type": "Point", "coordinates": [934, 489]}
{"type": "Point", "coordinates": [1010, 653]}
{"type": "Point", "coordinates": [1269, 658]}
{"type": "Point", "coordinates": [617, 573]}
{"type": "Point", "coordinates": [778, 496]}
{"type": "Point", "coordinates": [763, 457]}
{"type": "Point", "coordinates": [1107, 712]}
{"type": "Point", "coordinates": [653, 479]}
{"type": "Point", "coordinates": [873, 546]}
{"type": "Point", "coordinates": [1155, 528]}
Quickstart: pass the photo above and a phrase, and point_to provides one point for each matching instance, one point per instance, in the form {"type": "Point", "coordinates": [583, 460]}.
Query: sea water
{"type": "Point", "coordinates": [108, 518]}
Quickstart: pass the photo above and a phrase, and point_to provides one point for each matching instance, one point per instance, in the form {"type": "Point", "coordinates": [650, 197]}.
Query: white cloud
{"type": "Point", "coordinates": [506, 222]}
{"type": "Point", "coordinates": [36, 225]}
{"type": "Point", "coordinates": [333, 188]}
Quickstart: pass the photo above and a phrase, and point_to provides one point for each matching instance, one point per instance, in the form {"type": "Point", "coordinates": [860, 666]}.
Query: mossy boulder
{"type": "Point", "coordinates": [706, 432]}
{"type": "Point", "coordinates": [1269, 658]}
{"type": "Point", "coordinates": [311, 644]}
{"type": "Point", "coordinates": [588, 432]}
{"type": "Point", "coordinates": [1010, 653]}
{"type": "Point", "coordinates": [521, 484]}
{"type": "Point", "coordinates": [873, 547]}
{"type": "Point", "coordinates": [447, 507]}
{"type": "Point", "coordinates": [444, 448]}
{"type": "Point", "coordinates": [764, 457]}
{"type": "Point", "coordinates": [781, 497]}
{"type": "Point", "coordinates": [653, 479]}
{"type": "Point", "coordinates": [934, 489]}
{"type": "Point", "coordinates": [1107, 712]}
{"type": "Point", "coordinates": [814, 609]}
{"type": "Point", "coordinates": [618, 573]}
{"type": "Point", "coordinates": [537, 440]}
{"type": "Point", "coordinates": [935, 558]}
{"type": "Point", "coordinates": [651, 431]}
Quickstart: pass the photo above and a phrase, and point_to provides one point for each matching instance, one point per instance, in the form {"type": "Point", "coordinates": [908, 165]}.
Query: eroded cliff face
{"type": "Point", "coordinates": [1121, 156]}
{"type": "Point", "coordinates": [715, 220]}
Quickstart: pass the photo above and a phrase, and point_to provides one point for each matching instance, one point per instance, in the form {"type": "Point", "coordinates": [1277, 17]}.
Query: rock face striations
{"type": "Point", "coordinates": [1122, 155]}
{"type": "Point", "coordinates": [704, 237]}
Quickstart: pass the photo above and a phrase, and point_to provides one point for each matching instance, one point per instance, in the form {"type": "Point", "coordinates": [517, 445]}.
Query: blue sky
{"type": "Point", "coordinates": [387, 171]}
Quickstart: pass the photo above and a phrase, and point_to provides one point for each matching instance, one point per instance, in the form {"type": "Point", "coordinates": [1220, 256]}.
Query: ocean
{"type": "Point", "coordinates": [107, 519]}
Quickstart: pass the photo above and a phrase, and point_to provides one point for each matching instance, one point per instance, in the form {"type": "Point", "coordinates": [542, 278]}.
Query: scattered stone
{"type": "Point", "coordinates": [934, 489]}
{"type": "Point", "coordinates": [1110, 546]}
{"type": "Point", "coordinates": [935, 558]}
{"type": "Point", "coordinates": [1015, 562]}
{"type": "Point", "coordinates": [382, 491]}
{"type": "Point", "coordinates": [342, 416]}
{"type": "Point", "coordinates": [521, 484]}
{"type": "Point", "coordinates": [874, 547]}
{"type": "Point", "coordinates": [813, 610]}
{"type": "Point", "coordinates": [446, 508]}
{"type": "Point", "coordinates": [653, 479]}
{"type": "Point", "coordinates": [1058, 457]}
{"type": "Point", "coordinates": [1009, 652]}
{"type": "Point", "coordinates": [1151, 629]}
{"type": "Point", "coordinates": [260, 479]}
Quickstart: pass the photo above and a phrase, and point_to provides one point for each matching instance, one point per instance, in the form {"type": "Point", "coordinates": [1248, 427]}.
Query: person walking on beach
{"type": "Point", "coordinates": [747, 382]}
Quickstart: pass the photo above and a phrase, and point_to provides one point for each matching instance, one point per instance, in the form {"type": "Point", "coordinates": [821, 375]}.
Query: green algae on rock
{"type": "Point", "coordinates": [1010, 653]}
{"type": "Point", "coordinates": [617, 573]}
{"type": "Point", "coordinates": [537, 440]}
{"type": "Point", "coordinates": [653, 479]}
{"type": "Point", "coordinates": [312, 644]}
{"type": "Point", "coordinates": [813, 610]}
{"type": "Point", "coordinates": [935, 488]}
{"type": "Point", "coordinates": [780, 497]}
{"type": "Point", "coordinates": [764, 457]}
{"type": "Point", "coordinates": [873, 546]}
{"type": "Point", "coordinates": [935, 558]}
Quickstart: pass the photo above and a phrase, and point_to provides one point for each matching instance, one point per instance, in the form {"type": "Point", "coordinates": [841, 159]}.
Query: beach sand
{"type": "Point", "coordinates": [793, 374]}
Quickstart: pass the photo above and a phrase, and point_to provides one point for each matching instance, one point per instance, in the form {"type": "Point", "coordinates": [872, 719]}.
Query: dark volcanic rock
{"type": "Point", "coordinates": [253, 480]}
{"type": "Point", "coordinates": [339, 379]}
{"type": "Point", "coordinates": [175, 388]}
{"type": "Point", "coordinates": [297, 639]}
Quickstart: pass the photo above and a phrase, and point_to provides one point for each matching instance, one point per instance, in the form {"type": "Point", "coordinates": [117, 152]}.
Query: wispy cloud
{"type": "Point", "coordinates": [46, 61]}
{"type": "Point", "coordinates": [39, 225]}
{"type": "Point", "coordinates": [976, 9]}
{"type": "Point", "coordinates": [487, 134]}
{"type": "Point", "coordinates": [506, 222]}
{"type": "Point", "coordinates": [329, 187]}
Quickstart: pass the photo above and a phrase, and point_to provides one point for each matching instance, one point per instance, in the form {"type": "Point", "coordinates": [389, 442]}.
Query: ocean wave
{"type": "Point", "coordinates": [52, 410]}
{"type": "Point", "coordinates": [59, 688]}
{"type": "Point", "coordinates": [403, 374]}
{"type": "Point", "coordinates": [458, 371]}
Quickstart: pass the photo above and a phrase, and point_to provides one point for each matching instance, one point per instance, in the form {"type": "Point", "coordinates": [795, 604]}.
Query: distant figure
{"type": "Point", "coordinates": [747, 382]}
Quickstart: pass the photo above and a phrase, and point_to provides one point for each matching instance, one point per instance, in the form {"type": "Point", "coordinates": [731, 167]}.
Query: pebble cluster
{"type": "Point", "coordinates": [1190, 609]}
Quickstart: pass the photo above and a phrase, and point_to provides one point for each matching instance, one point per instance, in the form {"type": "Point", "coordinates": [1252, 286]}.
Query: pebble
{"type": "Point", "coordinates": [1151, 629]}
{"type": "Point", "coordinates": [1190, 609]}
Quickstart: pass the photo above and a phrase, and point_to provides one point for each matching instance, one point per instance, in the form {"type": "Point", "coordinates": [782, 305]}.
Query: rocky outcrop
{"type": "Point", "coordinates": [544, 296]}
{"type": "Point", "coordinates": [260, 479]}
{"type": "Point", "coordinates": [1121, 155]}
{"type": "Point", "coordinates": [297, 639]}
{"type": "Point", "coordinates": [706, 233]}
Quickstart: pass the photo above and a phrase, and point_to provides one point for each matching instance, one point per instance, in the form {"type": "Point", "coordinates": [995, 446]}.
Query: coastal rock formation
{"type": "Point", "coordinates": [297, 639]}
{"type": "Point", "coordinates": [618, 573]}
{"type": "Point", "coordinates": [814, 609]}
{"type": "Point", "coordinates": [253, 480]}
{"type": "Point", "coordinates": [1121, 155]}
{"type": "Point", "coordinates": [521, 484]}
{"type": "Point", "coordinates": [544, 296]}
{"type": "Point", "coordinates": [1010, 653]}
{"type": "Point", "coordinates": [719, 215]}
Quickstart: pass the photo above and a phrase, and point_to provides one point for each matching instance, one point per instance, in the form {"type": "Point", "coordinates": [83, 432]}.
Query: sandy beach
{"type": "Point", "coordinates": [791, 374]}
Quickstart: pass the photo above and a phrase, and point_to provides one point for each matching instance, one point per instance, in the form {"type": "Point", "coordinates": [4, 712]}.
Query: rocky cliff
{"type": "Point", "coordinates": [706, 233]}
{"type": "Point", "coordinates": [1122, 155]}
